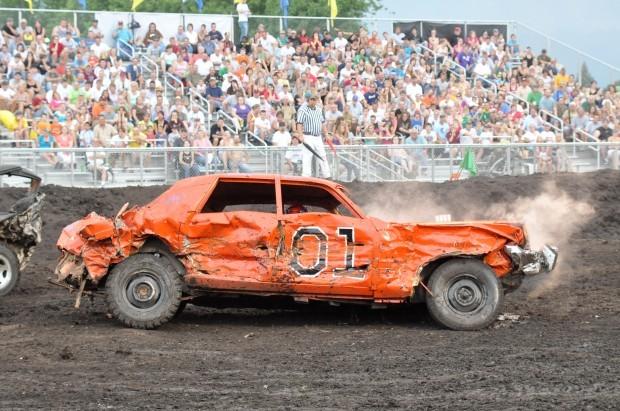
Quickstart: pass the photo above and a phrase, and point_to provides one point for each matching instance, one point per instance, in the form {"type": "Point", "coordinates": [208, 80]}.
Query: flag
{"type": "Point", "coordinates": [135, 4]}
{"type": "Point", "coordinates": [200, 4]}
{"type": "Point", "coordinates": [29, 5]}
{"type": "Point", "coordinates": [82, 4]}
{"type": "Point", "coordinates": [469, 162]}
{"type": "Point", "coordinates": [333, 9]}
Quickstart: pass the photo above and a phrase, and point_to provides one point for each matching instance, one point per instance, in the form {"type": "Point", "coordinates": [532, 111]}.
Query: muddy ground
{"type": "Point", "coordinates": [563, 351]}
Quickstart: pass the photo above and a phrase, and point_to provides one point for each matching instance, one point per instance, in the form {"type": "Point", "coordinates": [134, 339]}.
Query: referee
{"type": "Point", "coordinates": [311, 124]}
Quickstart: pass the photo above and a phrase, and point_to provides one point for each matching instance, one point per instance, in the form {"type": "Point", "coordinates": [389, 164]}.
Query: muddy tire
{"type": "Point", "coordinates": [144, 291]}
{"type": "Point", "coordinates": [467, 295]}
{"type": "Point", "coordinates": [9, 270]}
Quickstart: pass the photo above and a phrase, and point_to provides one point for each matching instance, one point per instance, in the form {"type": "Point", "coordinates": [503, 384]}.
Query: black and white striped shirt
{"type": "Point", "coordinates": [311, 118]}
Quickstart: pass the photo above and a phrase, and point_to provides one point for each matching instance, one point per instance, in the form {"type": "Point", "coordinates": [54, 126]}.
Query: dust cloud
{"type": "Point", "coordinates": [550, 216]}
{"type": "Point", "coordinates": [400, 207]}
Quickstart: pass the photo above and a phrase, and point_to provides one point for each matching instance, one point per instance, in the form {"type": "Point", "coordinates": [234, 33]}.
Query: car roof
{"type": "Point", "coordinates": [185, 193]}
{"type": "Point", "coordinates": [202, 180]}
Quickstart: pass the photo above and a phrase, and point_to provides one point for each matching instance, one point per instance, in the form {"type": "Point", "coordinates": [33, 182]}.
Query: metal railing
{"type": "Point", "coordinates": [172, 83]}
{"type": "Point", "coordinates": [438, 61]}
{"type": "Point", "coordinates": [149, 65]}
{"type": "Point", "coordinates": [252, 139]}
{"type": "Point", "coordinates": [430, 162]}
{"type": "Point", "coordinates": [230, 123]}
{"type": "Point", "coordinates": [195, 99]}
{"type": "Point", "coordinates": [486, 81]}
{"type": "Point", "coordinates": [521, 100]}
{"type": "Point", "coordinates": [556, 122]}
{"type": "Point", "coordinates": [125, 49]}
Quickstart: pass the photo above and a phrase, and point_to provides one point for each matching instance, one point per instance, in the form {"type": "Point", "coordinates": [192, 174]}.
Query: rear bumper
{"type": "Point", "coordinates": [532, 262]}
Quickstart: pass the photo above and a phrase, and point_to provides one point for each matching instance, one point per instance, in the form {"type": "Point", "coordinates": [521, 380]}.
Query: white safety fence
{"type": "Point", "coordinates": [92, 167]}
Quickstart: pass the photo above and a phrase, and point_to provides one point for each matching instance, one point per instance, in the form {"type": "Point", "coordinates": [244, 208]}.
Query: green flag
{"type": "Point", "coordinates": [469, 162]}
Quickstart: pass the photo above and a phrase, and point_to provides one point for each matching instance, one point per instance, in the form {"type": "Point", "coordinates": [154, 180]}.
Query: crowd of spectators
{"type": "Point", "coordinates": [71, 89]}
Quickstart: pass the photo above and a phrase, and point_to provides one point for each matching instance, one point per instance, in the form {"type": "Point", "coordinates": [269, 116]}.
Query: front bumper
{"type": "Point", "coordinates": [531, 262]}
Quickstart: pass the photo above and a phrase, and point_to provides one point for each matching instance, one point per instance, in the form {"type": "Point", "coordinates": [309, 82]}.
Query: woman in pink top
{"type": "Point", "coordinates": [56, 100]}
{"type": "Point", "coordinates": [473, 40]}
{"type": "Point", "coordinates": [201, 141]}
{"type": "Point", "coordinates": [180, 67]}
{"type": "Point", "coordinates": [65, 140]}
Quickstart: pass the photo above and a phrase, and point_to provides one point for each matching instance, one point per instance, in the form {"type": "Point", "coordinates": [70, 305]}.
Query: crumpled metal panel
{"type": "Point", "coordinates": [265, 253]}
{"type": "Point", "coordinates": [21, 231]}
{"type": "Point", "coordinates": [407, 248]}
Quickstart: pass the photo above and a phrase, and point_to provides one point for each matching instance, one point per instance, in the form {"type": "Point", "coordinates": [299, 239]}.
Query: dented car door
{"type": "Point", "coordinates": [230, 242]}
{"type": "Point", "coordinates": [326, 253]}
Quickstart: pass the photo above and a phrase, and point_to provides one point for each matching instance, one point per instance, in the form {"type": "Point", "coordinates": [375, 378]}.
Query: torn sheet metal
{"type": "Point", "coordinates": [315, 254]}
{"type": "Point", "coordinates": [20, 228]}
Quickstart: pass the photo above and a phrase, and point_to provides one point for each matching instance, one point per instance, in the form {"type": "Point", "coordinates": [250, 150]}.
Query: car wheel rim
{"type": "Point", "coordinates": [143, 291]}
{"type": "Point", "coordinates": [6, 274]}
{"type": "Point", "coordinates": [466, 294]}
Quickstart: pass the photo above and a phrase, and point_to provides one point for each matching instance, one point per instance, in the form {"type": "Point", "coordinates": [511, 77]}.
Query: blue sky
{"type": "Point", "coordinates": [592, 26]}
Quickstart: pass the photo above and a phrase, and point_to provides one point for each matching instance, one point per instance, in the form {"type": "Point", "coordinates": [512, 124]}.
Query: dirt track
{"type": "Point", "coordinates": [563, 353]}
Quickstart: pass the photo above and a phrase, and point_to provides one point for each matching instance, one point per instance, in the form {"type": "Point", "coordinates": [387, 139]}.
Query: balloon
{"type": "Point", "coordinates": [8, 120]}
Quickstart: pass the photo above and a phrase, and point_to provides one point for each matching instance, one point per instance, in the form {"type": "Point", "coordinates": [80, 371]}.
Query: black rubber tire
{"type": "Point", "coordinates": [467, 295]}
{"type": "Point", "coordinates": [158, 269]}
{"type": "Point", "coordinates": [9, 273]}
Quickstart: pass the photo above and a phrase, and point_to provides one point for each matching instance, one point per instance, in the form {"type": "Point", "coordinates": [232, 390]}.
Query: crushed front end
{"type": "Point", "coordinates": [20, 227]}
{"type": "Point", "coordinates": [531, 262]}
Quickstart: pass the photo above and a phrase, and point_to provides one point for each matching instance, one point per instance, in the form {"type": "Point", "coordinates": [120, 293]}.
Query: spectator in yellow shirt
{"type": "Point", "coordinates": [561, 79]}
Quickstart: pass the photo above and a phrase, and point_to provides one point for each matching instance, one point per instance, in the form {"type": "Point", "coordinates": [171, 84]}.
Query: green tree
{"type": "Point", "coordinates": [586, 77]}
{"type": "Point", "coordinates": [310, 8]}
{"type": "Point", "coordinates": [314, 12]}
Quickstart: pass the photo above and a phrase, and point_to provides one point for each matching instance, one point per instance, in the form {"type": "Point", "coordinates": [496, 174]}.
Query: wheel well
{"type": "Point", "coordinates": [155, 245]}
{"type": "Point", "coordinates": [419, 293]}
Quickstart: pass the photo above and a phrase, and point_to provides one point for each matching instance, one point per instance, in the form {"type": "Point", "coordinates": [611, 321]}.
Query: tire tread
{"type": "Point", "coordinates": [7, 252]}
{"type": "Point", "coordinates": [171, 310]}
{"type": "Point", "coordinates": [439, 314]}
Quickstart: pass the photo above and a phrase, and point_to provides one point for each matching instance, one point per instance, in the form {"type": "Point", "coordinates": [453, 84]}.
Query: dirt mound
{"type": "Point", "coordinates": [552, 350]}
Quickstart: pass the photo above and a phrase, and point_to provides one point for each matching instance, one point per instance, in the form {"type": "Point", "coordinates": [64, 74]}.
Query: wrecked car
{"type": "Point", "coordinates": [20, 229]}
{"type": "Point", "coordinates": [271, 235]}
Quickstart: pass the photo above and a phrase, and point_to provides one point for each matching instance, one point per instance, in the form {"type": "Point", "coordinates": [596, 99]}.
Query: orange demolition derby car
{"type": "Point", "coordinates": [270, 235]}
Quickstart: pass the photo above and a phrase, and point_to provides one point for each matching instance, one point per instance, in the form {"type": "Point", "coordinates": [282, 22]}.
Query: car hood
{"type": "Point", "coordinates": [417, 244]}
{"type": "Point", "coordinates": [433, 231]}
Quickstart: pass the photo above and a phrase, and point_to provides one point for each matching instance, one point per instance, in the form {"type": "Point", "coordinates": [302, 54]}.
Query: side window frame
{"type": "Point", "coordinates": [217, 182]}
{"type": "Point", "coordinates": [353, 212]}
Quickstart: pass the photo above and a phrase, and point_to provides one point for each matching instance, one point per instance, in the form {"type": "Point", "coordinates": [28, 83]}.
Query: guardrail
{"type": "Point", "coordinates": [429, 162]}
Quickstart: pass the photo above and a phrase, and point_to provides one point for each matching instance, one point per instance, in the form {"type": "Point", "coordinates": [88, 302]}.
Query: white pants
{"type": "Point", "coordinates": [316, 143]}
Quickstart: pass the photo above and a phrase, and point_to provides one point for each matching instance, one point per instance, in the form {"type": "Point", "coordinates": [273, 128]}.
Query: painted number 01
{"type": "Point", "coordinates": [320, 262]}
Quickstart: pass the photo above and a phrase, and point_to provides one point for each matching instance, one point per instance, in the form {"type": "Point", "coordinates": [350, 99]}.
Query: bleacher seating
{"type": "Point", "coordinates": [395, 89]}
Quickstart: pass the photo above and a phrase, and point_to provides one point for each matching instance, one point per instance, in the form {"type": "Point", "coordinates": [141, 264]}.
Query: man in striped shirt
{"type": "Point", "coordinates": [311, 124]}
